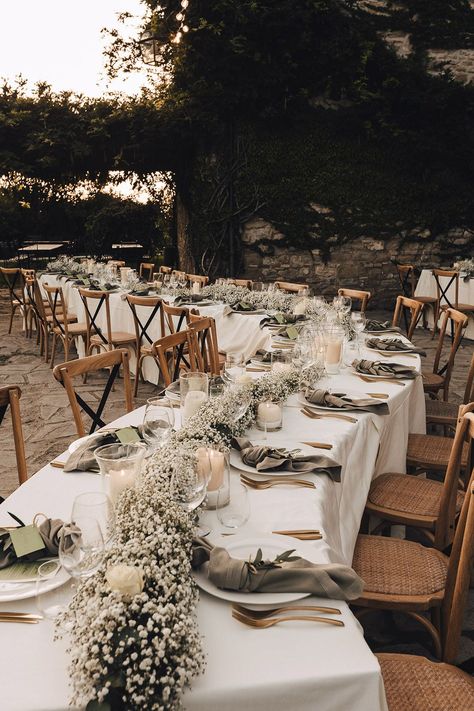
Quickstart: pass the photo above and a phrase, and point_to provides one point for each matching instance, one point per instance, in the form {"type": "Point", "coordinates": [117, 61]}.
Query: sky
{"type": "Point", "coordinates": [59, 41]}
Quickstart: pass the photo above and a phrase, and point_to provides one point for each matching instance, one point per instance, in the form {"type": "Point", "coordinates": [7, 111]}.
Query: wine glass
{"type": "Point", "coordinates": [157, 426]}
{"type": "Point", "coordinates": [342, 304]}
{"type": "Point", "coordinates": [358, 321]}
{"type": "Point", "coordinates": [81, 555]}
{"type": "Point", "coordinates": [189, 483]}
{"type": "Point", "coordinates": [96, 504]}
{"type": "Point", "coordinates": [234, 366]}
{"type": "Point", "coordinates": [51, 601]}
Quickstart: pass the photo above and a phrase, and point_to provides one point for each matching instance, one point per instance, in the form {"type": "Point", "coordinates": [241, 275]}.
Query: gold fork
{"type": "Point", "coordinates": [368, 379]}
{"type": "Point", "coordinates": [262, 614]}
{"type": "Point", "coordinates": [303, 535]}
{"type": "Point", "coordinates": [271, 621]}
{"type": "Point", "coordinates": [20, 617]}
{"type": "Point", "coordinates": [280, 481]}
{"type": "Point", "coordinates": [319, 415]}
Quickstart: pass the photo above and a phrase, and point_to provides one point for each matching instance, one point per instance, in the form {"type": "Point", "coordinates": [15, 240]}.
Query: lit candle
{"type": "Point", "coordinates": [300, 307]}
{"type": "Point", "coordinates": [269, 416]}
{"type": "Point", "coordinates": [196, 287]}
{"type": "Point", "coordinates": [119, 480]}
{"type": "Point", "coordinates": [333, 352]}
{"type": "Point", "coordinates": [192, 402]}
{"type": "Point", "coordinates": [124, 272]}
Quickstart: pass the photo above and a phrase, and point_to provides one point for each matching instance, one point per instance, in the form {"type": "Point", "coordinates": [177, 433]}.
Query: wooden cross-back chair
{"type": "Point", "coordinates": [116, 263]}
{"type": "Point", "coordinates": [356, 295]}
{"type": "Point", "coordinates": [404, 305]}
{"type": "Point", "coordinates": [179, 274]}
{"type": "Point", "coordinates": [39, 314]}
{"type": "Point", "coordinates": [413, 682]}
{"type": "Point", "coordinates": [408, 281]}
{"type": "Point", "coordinates": [290, 287]}
{"type": "Point", "coordinates": [10, 397]}
{"type": "Point", "coordinates": [15, 281]}
{"type": "Point", "coordinates": [114, 360]}
{"type": "Point", "coordinates": [146, 311]}
{"type": "Point", "coordinates": [440, 377]}
{"type": "Point", "coordinates": [165, 270]}
{"type": "Point", "coordinates": [64, 326]}
{"type": "Point", "coordinates": [443, 300]}
{"type": "Point", "coordinates": [441, 412]}
{"type": "Point", "coordinates": [246, 283]}
{"type": "Point", "coordinates": [207, 352]}
{"type": "Point", "coordinates": [176, 317]}
{"type": "Point", "coordinates": [97, 337]}
{"type": "Point", "coordinates": [198, 279]}
{"type": "Point", "coordinates": [146, 270]}
{"type": "Point", "coordinates": [404, 576]}
{"type": "Point", "coordinates": [176, 353]}
{"type": "Point", "coordinates": [429, 505]}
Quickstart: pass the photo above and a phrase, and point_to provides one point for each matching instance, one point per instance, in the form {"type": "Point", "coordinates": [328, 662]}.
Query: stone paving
{"type": "Point", "coordinates": [48, 429]}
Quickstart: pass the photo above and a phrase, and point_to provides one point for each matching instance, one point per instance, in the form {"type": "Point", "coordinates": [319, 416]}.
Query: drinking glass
{"type": "Point", "coordinates": [83, 558]}
{"type": "Point", "coordinates": [51, 603]}
{"type": "Point", "coordinates": [165, 402]}
{"type": "Point", "coordinates": [234, 366]}
{"type": "Point", "coordinates": [216, 387]}
{"type": "Point", "coordinates": [189, 483]}
{"type": "Point", "coordinates": [342, 304]}
{"type": "Point", "coordinates": [281, 360]}
{"type": "Point", "coordinates": [96, 504]}
{"type": "Point", "coordinates": [157, 427]}
{"type": "Point", "coordinates": [119, 466]}
{"type": "Point", "coordinates": [194, 392]}
{"type": "Point", "coordinates": [358, 321]}
{"type": "Point", "coordinates": [258, 286]}
{"type": "Point", "coordinates": [233, 506]}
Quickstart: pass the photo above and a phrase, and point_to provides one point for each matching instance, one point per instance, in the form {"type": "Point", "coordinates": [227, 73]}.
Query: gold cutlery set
{"type": "Point", "coordinates": [21, 617]}
{"type": "Point", "coordinates": [260, 484]}
{"type": "Point", "coordinates": [261, 619]}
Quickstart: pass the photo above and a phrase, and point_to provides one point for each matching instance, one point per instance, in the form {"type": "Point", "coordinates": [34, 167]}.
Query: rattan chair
{"type": "Point", "coordinates": [290, 287]}
{"type": "Point", "coordinates": [63, 325]}
{"type": "Point", "coordinates": [10, 397]}
{"type": "Point", "coordinates": [440, 377]}
{"type": "Point", "coordinates": [114, 360]}
{"type": "Point", "coordinates": [403, 305]}
{"type": "Point", "coordinates": [440, 412]}
{"type": "Point", "coordinates": [198, 279]}
{"type": "Point", "coordinates": [427, 505]}
{"type": "Point", "coordinates": [96, 337]}
{"type": "Point", "coordinates": [407, 276]}
{"type": "Point", "coordinates": [146, 270]}
{"type": "Point", "coordinates": [176, 353]}
{"type": "Point", "coordinates": [443, 300]}
{"type": "Point", "coordinates": [357, 295]}
{"type": "Point", "coordinates": [15, 281]}
{"type": "Point", "coordinates": [149, 309]}
{"type": "Point", "coordinates": [404, 576]}
{"type": "Point", "coordinates": [208, 358]}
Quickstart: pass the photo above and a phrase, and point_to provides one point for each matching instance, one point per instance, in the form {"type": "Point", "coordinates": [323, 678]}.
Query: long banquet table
{"type": "Point", "coordinates": [427, 287]}
{"type": "Point", "coordinates": [297, 666]}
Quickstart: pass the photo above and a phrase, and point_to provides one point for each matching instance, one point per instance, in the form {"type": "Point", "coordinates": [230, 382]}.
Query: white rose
{"type": "Point", "coordinates": [125, 579]}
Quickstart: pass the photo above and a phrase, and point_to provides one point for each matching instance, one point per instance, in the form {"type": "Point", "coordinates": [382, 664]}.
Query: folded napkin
{"type": "Point", "coordinates": [264, 356]}
{"type": "Point", "coordinates": [83, 460]}
{"type": "Point", "coordinates": [287, 573]}
{"type": "Point", "coordinates": [243, 306]}
{"type": "Point", "coordinates": [265, 458]}
{"type": "Point", "coordinates": [393, 344]}
{"type": "Point", "coordinates": [377, 367]}
{"type": "Point", "coordinates": [342, 401]}
{"type": "Point", "coordinates": [190, 299]}
{"type": "Point", "coordinates": [51, 531]}
{"type": "Point", "coordinates": [374, 325]}
{"type": "Point", "coordinates": [290, 333]}
{"type": "Point", "coordinates": [281, 319]}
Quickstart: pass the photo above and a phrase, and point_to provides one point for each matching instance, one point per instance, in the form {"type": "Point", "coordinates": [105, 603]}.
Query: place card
{"type": "Point", "coordinates": [26, 540]}
{"type": "Point", "coordinates": [128, 435]}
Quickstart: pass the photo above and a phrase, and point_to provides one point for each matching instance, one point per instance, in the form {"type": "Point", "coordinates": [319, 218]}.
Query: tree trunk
{"type": "Point", "coordinates": [183, 238]}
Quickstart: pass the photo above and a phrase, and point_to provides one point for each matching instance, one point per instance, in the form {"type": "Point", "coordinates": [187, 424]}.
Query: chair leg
{"type": "Point", "coordinates": [431, 629]}
{"type": "Point", "coordinates": [53, 350]}
{"type": "Point", "coordinates": [11, 319]}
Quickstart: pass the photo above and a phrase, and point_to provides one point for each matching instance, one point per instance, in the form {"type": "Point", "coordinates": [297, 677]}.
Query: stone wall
{"type": "Point", "coordinates": [364, 263]}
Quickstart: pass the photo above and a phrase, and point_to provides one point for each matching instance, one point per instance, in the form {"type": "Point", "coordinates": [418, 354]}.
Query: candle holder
{"type": "Point", "coordinates": [217, 463]}
{"type": "Point", "coordinates": [270, 415]}
{"type": "Point", "coordinates": [119, 466]}
{"type": "Point", "coordinates": [334, 349]}
{"type": "Point", "coordinates": [194, 392]}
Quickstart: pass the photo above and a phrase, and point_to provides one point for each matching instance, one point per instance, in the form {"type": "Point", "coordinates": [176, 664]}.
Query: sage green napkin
{"type": "Point", "coordinates": [342, 401]}
{"type": "Point", "coordinates": [265, 458]}
{"type": "Point", "coordinates": [289, 333]}
{"type": "Point", "coordinates": [374, 325]}
{"type": "Point", "coordinates": [264, 356]}
{"type": "Point", "coordinates": [377, 367]}
{"type": "Point", "coordinates": [51, 531]}
{"type": "Point", "coordinates": [287, 573]}
{"type": "Point", "coordinates": [393, 344]}
{"type": "Point", "coordinates": [281, 319]}
{"type": "Point", "coordinates": [243, 306]}
{"type": "Point", "coordinates": [82, 459]}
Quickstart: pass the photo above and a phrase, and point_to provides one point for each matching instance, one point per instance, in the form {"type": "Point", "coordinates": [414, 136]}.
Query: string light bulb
{"type": "Point", "coordinates": [181, 18]}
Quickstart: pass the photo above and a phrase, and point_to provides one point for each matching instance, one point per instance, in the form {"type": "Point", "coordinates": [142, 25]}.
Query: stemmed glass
{"type": "Point", "coordinates": [157, 425]}
{"type": "Point", "coordinates": [234, 366]}
{"type": "Point", "coordinates": [342, 304]}
{"type": "Point", "coordinates": [189, 484]}
{"type": "Point", "coordinates": [82, 557]}
{"type": "Point", "coordinates": [358, 321]}
{"type": "Point", "coordinates": [96, 505]}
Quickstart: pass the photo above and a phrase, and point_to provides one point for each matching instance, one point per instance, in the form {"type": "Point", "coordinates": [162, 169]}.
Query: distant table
{"type": "Point", "coordinates": [427, 287]}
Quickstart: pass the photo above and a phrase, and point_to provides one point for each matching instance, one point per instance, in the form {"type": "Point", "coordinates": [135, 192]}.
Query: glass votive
{"type": "Point", "coordinates": [119, 466]}
{"type": "Point", "coordinates": [334, 350]}
{"type": "Point", "coordinates": [51, 600]}
{"type": "Point", "coordinates": [124, 274]}
{"type": "Point", "coordinates": [233, 505]}
{"type": "Point", "coordinates": [194, 391]}
{"type": "Point", "coordinates": [281, 361]}
{"type": "Point", "coordinates": [269, 415]}
{"type": "Point", "coordinates": [216, 387]}
{"type": "Point", "coordinates": [218, 464]}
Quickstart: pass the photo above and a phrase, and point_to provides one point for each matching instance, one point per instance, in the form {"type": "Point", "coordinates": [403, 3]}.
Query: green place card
{"type": "Point", "coordinates": [26, 540]}
{"type": "Point", "coordinates": [280, 318]}
{"type": "Point", "coordinates": [292, 332]}
{"type": "Point", "coordinates": [128, 435]}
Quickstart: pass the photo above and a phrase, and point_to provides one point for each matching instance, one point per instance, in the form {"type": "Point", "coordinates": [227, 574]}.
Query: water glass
{"type": "Point", "coordinates": [189, 483]}
{"type": "Point", "coordinates": [216, 387]}
{"type": "Point", "coordinates": [82, 557]}
{"type": "Point", "coordinates": [51, 603]}
{"type": "Point", "coordinates": [194, 392]}
{"type": "Point", "coordinates": [281, 361]}
{"type": "Point", "coordinates": [119, 465]}
{"type": "Point", "coordinates": [234, 366]}
{"type": "Point", "coordinates": [334, 350]}
{"type": "Point", "coordinates": [233, 506]}
{"type": "Point", "coordinates": [342, 304]}
{"type": "Point", "coordinates": [157, 426]}
{"type": "Point", "coordinates": [95, 504]}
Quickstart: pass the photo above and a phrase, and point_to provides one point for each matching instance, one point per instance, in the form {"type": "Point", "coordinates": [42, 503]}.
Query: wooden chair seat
{"type": "Point", "coordinates": [432, 452]}
{"type": "Point", "coordinates": [459, 307]}
{"type": "Point", "coordinates": [116, 337]}
{"type": "Point", "coordinates": [412, 496]}
{"type": "Point", "coordinates": [60, 317]}
{"type": "Point", "coordinates": [432, 382]}
{"type": "Point", "coordinates": [392, 566]}
{"type": "Point", "coordinates": [74, 329]}
{"type": "Point", "coordinates": [417, 684]}
{"type": "Point", "coordinates": [441, 412]}
{"type": "Point", "coordinates": [425, 299]}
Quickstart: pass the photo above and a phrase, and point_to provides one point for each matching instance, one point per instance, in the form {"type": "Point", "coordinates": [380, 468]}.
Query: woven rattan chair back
{"type": "Point", "coordinates": [356, 295]}
{"type": "Point", "coordinates": [198, 279]}
{"type": "Point", "coordinates": [10, 397]}
{"type": "Point", "coordinates": [65, 372]}
{"type": "Point", "coordinates": [100, 300]}
{"type": "Point", "coordinates": [404, 305]}
{"type": "Point", "coordinates": [207, 353]}
{"type": "Point", "coordinates": [15, 281]}
{"type": "Point", "coordinates": [458, 322]}
{"type": "Point", "coordinates": [290, 287]}
{"type": "Point", "coordinates": [176, 317]}
{"type": "Point", "coordinates": [176, 353]}
{"type": "Point", "coordinates": [146, 270]}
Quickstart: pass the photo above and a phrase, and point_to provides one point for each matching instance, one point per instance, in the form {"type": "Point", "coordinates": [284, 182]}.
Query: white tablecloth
{"type": "Point", "coordinates": [427, 287]}
{"type": "Point", "coordinates": [302, 667]}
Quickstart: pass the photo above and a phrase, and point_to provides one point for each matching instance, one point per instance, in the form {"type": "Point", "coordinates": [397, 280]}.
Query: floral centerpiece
{"type": "Point", "coordinates": [465, 267]}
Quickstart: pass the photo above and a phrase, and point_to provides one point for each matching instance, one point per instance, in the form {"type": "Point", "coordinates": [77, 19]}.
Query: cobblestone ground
{"type": "Point", "coordinates": [49, 428]}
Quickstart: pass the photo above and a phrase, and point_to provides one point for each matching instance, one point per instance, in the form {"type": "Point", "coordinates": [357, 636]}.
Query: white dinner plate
{"type": "Point", "coordinates": [237, 462]}
{"type": "Point", "coordinates": [259, 364]}
{"type": "Point", "coordinates": [245, 548]}
{"type": "Point", "coordinates": [349, 408]}
{"type": "Point", "coordinates": [382, 377]}
{"type": "Point", "coordinates": [21, 591]}
{"type": "Point", "coordinates": [249, 313]}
